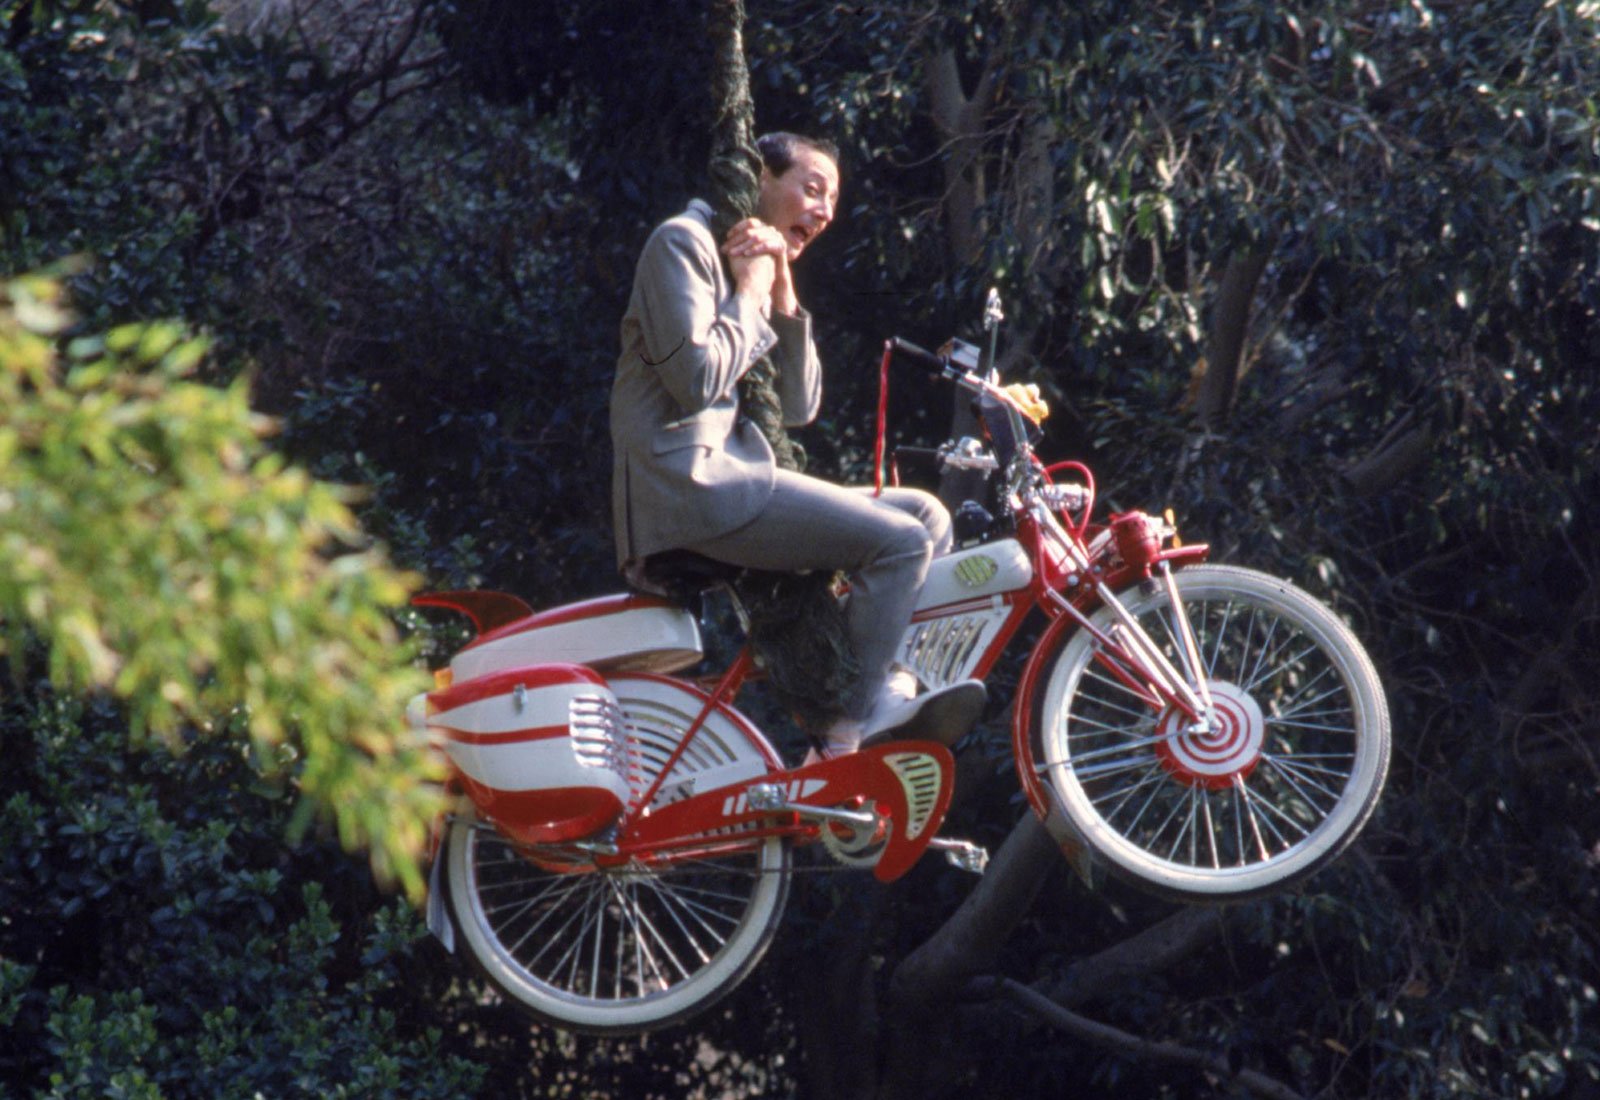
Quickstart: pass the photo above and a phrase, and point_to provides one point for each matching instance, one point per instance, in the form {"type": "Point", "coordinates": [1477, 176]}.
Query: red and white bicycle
{"type": "Point", "coordinates": [1206, 732]}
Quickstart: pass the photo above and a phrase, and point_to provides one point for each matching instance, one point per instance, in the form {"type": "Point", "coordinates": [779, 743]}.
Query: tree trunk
{"type": "Point", "coordinates": [960, 119]}
{"type": "Point", "coordinates": [838, 1014]}
{"type": "Point", "coordinates": [1035, 199]}
{"type": "Point", "coordinates": [1225, 343]}
{"type": "Point", "coordinates": [919, 1032]}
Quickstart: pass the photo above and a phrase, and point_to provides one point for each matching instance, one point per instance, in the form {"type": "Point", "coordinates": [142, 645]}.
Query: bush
{"type": "Point", "coordinates": [160, 940]}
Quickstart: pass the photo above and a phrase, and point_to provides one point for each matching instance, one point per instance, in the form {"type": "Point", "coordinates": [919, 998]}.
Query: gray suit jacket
{"type": "Point", "coordinates": [686, 466]}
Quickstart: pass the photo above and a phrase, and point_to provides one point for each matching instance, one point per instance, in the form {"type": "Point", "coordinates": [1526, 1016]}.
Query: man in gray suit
{"type": "Point", "coordinates": [691, 473]}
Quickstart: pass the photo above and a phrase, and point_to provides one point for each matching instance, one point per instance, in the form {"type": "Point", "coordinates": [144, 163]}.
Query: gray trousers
{"type": "Point", "coordinates": [883, 544]}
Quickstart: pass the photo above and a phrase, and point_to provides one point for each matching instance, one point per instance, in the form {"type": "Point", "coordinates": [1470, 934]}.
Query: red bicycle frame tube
{"type": "Point", "coordinates": [883, 420]}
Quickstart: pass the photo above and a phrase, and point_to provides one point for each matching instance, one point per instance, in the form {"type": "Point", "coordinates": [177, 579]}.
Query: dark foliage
{"type": "Point", "coordinates": [160, 940]}
{"type": "Point", "coordinates": [429, 301]}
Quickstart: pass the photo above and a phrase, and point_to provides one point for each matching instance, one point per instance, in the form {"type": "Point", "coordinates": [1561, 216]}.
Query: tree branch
{"type": "Point", "coordinates": [1405, 447]}
{"type": "Point", "coordinates": [966, 942]}
{"type": "Point", "coordinates": [1132, 1046]}
{"type": "Point", "coordinates": [1156, 948]}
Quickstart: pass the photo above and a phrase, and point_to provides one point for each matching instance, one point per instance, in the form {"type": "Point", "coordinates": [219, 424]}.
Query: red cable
{"type": "Point", "coordinates": [883, 417]}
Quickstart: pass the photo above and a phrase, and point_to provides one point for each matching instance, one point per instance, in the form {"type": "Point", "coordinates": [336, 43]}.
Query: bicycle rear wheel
{"type": "Point", "coordinates": [637, 947]}
{"type": "Point", "coordinates": [1280, 778]}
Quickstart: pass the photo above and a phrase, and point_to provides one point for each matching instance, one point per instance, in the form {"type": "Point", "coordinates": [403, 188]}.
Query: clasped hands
{"type": "Point", "coordinates": [758, 257]}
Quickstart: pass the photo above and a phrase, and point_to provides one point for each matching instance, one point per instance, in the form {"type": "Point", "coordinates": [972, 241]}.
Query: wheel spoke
{"type": "Point", "coordinates": [1271, 817]}
{"type": "Point", "coordinates": [1313, 727]}
{"type": "Point", "coordinates": [1130, 745]}
{"type": "Point", "coordinates": [683, 912]}
{"type": "Point", "coordinates": [1211, 836]}
{"type": "Point", "coordinates": [1221, 634]}
{"type": "Point", "coordinates": [1156, 784]}
{"type": "Point", "coordinates": [648, 941]}
{"type": "Point", "coordinates": [1337, 694]}
{"type": "Point", "coordinates": [584, 892]}
{"type": "Point", "coordinates": [1262, 655]}
{"type": "Point", "coordinates": [586, 915]}
{"type": "Point", "coordinates": [1247, 805]}
{"type": "Point", "coordinates": [1142, 712]}
{"type": "Point", "coordinates": [1303, 781]}
{"type": "Point", "coordinates": [594, 930]}
{"type": "Point", "coordinates": [694, 894]}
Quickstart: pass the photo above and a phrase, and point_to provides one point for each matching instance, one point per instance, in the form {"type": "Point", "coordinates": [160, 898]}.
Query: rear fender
{"type": "Point", "coordinates": [540, 750]}
{"type": "Point", "coordinates": [488, 610]}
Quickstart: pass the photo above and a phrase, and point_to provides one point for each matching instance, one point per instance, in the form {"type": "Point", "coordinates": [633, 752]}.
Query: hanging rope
{"type": "Point", "coordinates": [796, 620]}
{"type": "Point", "coordinates": [735, 185]}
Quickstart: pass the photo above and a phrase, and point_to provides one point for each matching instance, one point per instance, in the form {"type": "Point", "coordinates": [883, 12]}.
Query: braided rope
{"type": "Point", "coordinates": [797, 623]}
{"type": "Point", "coordinates": [735, 172]}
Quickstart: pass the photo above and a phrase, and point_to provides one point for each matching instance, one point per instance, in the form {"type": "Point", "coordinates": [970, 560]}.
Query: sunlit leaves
{"type": "Point", "coordinates": [163, 552]}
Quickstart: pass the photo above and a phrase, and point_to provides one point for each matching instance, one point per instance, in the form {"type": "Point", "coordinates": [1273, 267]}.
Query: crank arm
{"type": "Point", "coordinates": [962, 854]}
{"type": "Point", "coordinates": [769, 798]}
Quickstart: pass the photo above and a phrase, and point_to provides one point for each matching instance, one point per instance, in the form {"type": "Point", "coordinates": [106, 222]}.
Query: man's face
{"type": "Point", "coordinates": [800, 203]}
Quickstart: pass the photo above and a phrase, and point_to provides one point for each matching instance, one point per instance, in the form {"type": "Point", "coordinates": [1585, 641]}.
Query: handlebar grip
{"type": "Point", "coordinates": [921, 355]}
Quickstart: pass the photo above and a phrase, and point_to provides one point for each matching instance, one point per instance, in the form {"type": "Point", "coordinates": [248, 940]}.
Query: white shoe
{"type": "Point", "coordinates": [900, 713]}
{"type": "Point", "coordinates": [943, 715]}
{"type": "Point", "coordinates": [843, 735]}
{"type": "Point", "coordinates": [841, 738]}
{"type": "Point", "coordinates": [901, 685]}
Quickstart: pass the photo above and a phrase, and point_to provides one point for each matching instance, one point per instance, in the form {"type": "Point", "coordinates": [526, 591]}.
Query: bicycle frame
{"type": "Point", "coordinates": [794, 804]}
{"type": "Point", "coordinates": [516, 715]}
{"type": "Point", "coordinates": [1062, 568]}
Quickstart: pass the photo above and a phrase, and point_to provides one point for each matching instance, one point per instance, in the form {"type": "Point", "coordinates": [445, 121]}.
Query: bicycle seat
{"type": "Point", "coordinates": [681, 574]}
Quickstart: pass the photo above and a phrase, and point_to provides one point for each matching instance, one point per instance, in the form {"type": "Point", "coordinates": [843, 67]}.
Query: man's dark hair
{"type": "Point", "coordinates": [778, 148]}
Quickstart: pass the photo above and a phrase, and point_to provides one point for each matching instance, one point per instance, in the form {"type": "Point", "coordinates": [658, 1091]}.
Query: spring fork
{"type": "Point", "coordinates": [1167, 680]}
{"type": "Point", "coordinates": [1159, 668]}
{"type": "Point", "coordinates": [1191, 649]}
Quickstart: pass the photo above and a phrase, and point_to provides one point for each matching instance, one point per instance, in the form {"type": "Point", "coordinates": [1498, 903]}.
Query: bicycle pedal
{"type": "Point", "coordinates": [962, 854]}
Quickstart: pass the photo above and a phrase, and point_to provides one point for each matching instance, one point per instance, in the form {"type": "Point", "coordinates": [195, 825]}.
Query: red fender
{"type": "Point", "coordinates": [487, 609]}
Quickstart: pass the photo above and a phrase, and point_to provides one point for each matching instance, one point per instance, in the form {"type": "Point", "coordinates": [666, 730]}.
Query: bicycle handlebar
{"type": "Point", "coordinates": [918, 354]}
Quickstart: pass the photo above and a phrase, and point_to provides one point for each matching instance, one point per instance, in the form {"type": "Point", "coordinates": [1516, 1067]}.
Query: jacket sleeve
{"type": "Point", "coordinates": [799, 372]}
{"type": "Point", "coordinates": [699, 347]}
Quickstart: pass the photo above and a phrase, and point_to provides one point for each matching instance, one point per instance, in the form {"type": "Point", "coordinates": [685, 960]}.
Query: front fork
{"type": "Point", "coordinates": [1130, 654]}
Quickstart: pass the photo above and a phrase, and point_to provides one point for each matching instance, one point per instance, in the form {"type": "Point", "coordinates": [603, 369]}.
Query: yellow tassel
{"type": "Point", "coordinates": [1026, 397]}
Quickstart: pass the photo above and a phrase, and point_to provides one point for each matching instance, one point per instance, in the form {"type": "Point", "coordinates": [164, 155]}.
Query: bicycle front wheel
{"type": "Point", "coordinates": [618, 950]}
{"type": "Point", "coordinates": [1279, 776]}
